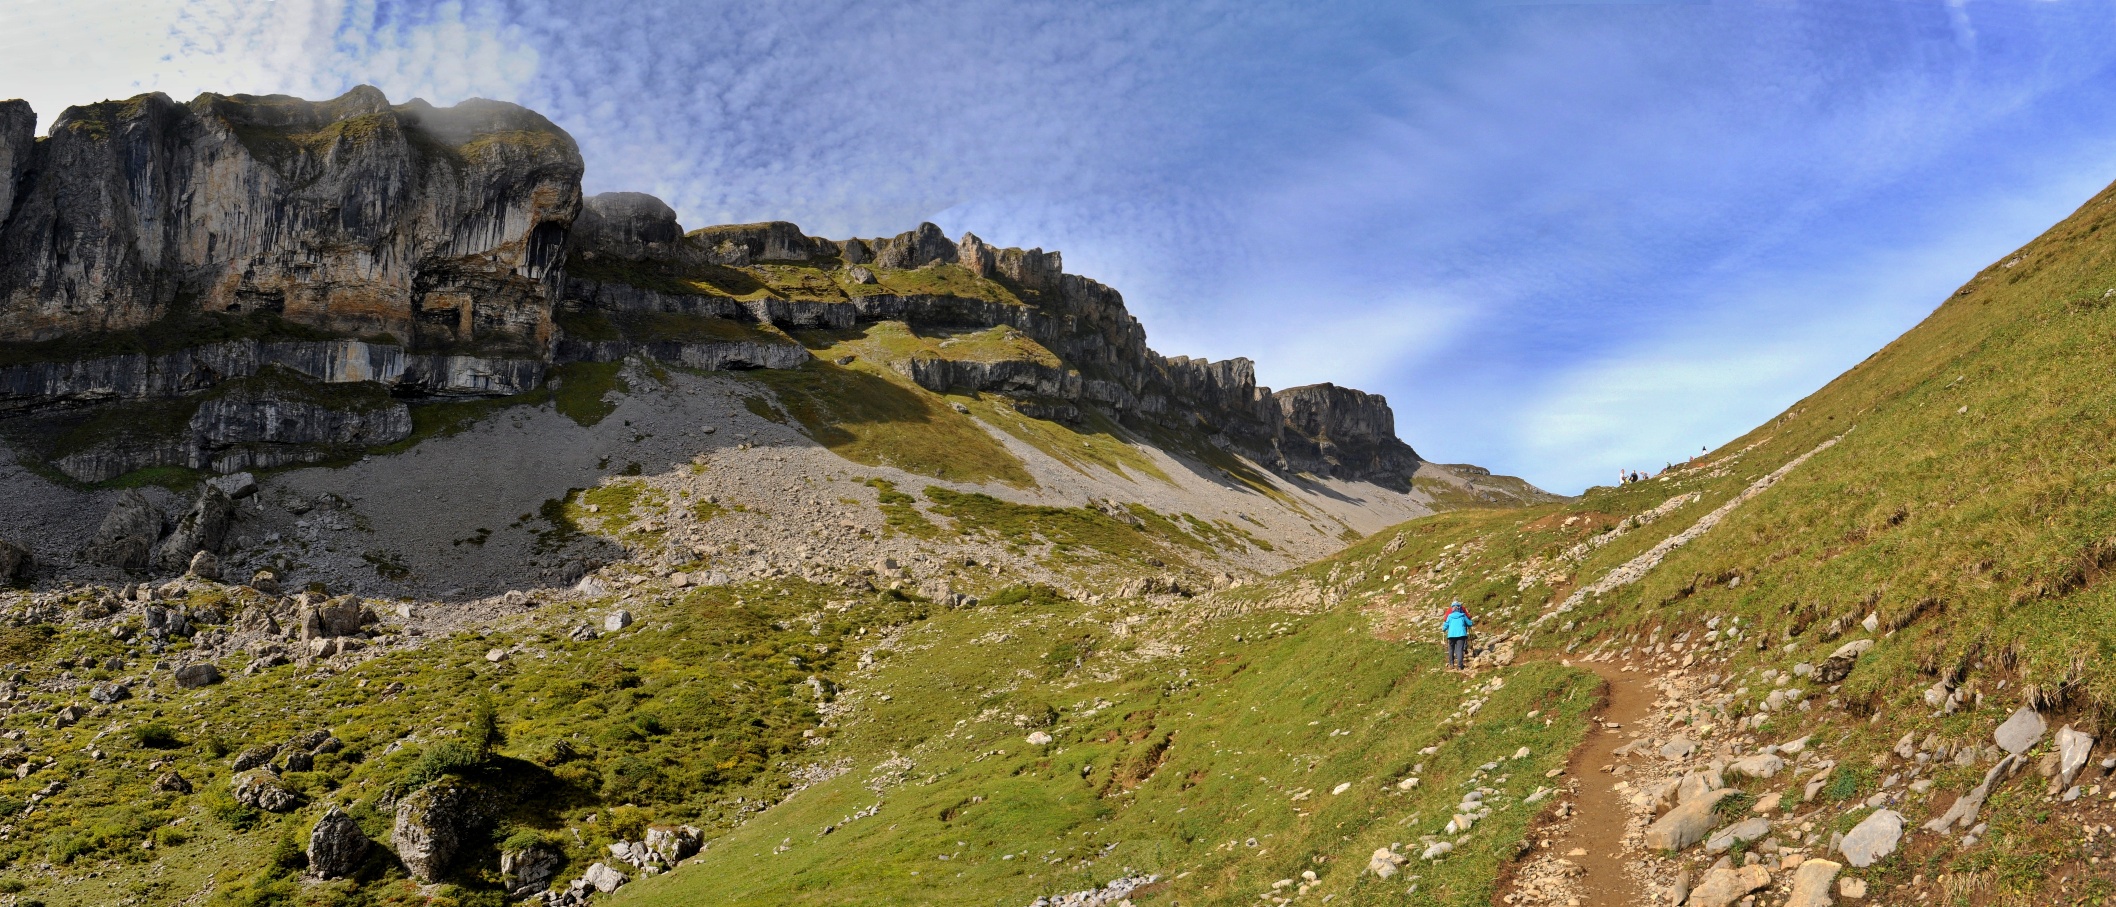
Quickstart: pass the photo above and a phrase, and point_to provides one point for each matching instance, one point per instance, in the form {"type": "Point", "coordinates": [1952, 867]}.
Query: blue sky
{"type": "Point", "coordinates": [1561, 238]}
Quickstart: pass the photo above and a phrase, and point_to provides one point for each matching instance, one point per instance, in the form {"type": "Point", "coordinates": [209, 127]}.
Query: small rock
{"type": "Point", "coordinates": [2073, 748]}
{"type": "Point", "coordinates": [1851, 888]}
{"type": "Point", "coordinates": [617, 620]}
{"type": "Point", "coordinates": [1340, 788]}
{"type": "Point", "coordinates": [172, 783]}
{"type": "Point", "coordinates": [1039, 738]}
{"type": "Point", "coordinates": [1761, 765]}
{"type": "Point", "coordinates": [1743, 832]}
{"type": "Point", "coordinates": [107, 692]}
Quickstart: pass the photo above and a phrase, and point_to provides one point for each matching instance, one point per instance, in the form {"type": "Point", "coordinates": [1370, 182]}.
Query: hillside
{"type": "Point", "coordinates": [386, 523]}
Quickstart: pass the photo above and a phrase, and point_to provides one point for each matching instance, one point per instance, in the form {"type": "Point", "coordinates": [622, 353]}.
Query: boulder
{"type": "Point", "coordinates": [1742, 832]}
{"type": "Point", "coordinates": [2020, 732]}
{"type": "Point", "coordinates": [1698, 784]}
{"type": "Point", "coordinates": [674, 844]}
{"type": "Point", "coordinates": [1811, 883]}
{"type": "Point", "coordinates": [15, 563]}
{"type": "Point", "coordinates": [616, 620]}
{"type": "Point", "coordinates": [236, 485]}
{"type": "Point", "coordinates": [1686, 824]}
{"type": "Point", "coordinates": [1840, 663]}
{"type": "Point", "coordinates": [171, 783]}
{"type": "Point", "coordinates": [1678, 748]}
{"type": "Point", "coordinates": [2073, 748]}
{"type": "Point", "coordinates": [205, 565]}
{"type": "Point", "coordinates": [604, 878]}
{"type": "Point", "coordinates": [1761, 765]}
{"type": "Point", "coordinates": [193, 676]}
{"type": "Point", "coordinates": [1724, 885]}
{"type": "Point", "coordinates": [431, 825]}
{"type": "Point", "coordinates": [336, 846]}
{"type": "Point", "coordinates": [261, 788]}
{"type": "Point", "coordinates": [1385, 862]}
{"type": "Point", "coordinates": [1873, 839]}
{"type": "Point", "coordinates": [107, 692]}
{"type": "Point", "coordinates": [127, 534]}
{"type": "Point", "coordinates": [203, 528]}
{"type": "Point", "coordinates": [530, 870]}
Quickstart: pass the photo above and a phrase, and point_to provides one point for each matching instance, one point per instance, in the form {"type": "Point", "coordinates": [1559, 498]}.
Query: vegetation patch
{"type": "Point", "coordinates": [879, 419]}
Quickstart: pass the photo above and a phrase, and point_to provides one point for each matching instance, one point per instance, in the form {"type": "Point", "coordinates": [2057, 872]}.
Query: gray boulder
{"type": "Point", "coordinates": [193, 676]}
{"type": "Point", "coordinates": [171, 783]}
{"type": "Point", "coordinates": [336, 846]}
{"type": "Point", "coordinates": [107, 692]}
{"type": "Point", "coordinates": [604, 878]}
{"type": "Point", "coordinates": [205, 565]}
{"type": "Point", "coordinates": [530, 870]}
{"type": "Point", "coordinates": [127, 534]}
{"type": "Point", "coordinates": [2020, 732]}
{"type": "Point", "coordinates": [1811, 883]}
{"type": "Point", "coordinates": [1873, 839]}
{"type": "Point", "coordinates": [260, 788]}
{"type": "Point", "coordinates": [1742, 832]}
{"type": "Point", "coordinates": [1761, 765]}
{"type": "Point", "coordinates": [1723, 885]}
{"type": "Point", "coordinates": [431, 825]}
{"type": "Point", "coordinates": [204, 528]}
{"type": "Point", "coordinates": [1686, 824]}
{"type": "Point", "coordinates": [15, 563]}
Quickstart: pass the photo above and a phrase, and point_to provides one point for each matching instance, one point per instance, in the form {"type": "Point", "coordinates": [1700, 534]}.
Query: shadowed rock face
{"type": "Point", "coordinates": [18, 126]}
{"type": "Point", "coordinates": [444, 228]}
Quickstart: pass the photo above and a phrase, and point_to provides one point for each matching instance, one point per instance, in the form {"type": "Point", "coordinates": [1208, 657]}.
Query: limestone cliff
{"type": "Point", "coordinates": [440, 227]}
{"type": "Point", "coordinates": [151, 250]}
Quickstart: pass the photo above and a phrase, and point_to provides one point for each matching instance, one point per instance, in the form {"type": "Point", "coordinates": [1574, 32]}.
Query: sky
{"type": "Point", "coordinates": [1561, 238]}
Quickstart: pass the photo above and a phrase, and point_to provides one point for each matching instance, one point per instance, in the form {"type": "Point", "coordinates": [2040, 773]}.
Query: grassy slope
{"type": "Point", "coordinates": [1163, 763]}
{"type": "Point", "coordinates": [1967, 506]}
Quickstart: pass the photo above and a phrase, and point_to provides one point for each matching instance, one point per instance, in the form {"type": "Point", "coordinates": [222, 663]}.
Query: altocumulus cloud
{"type": "Point", "coordinates": [1562, 238]}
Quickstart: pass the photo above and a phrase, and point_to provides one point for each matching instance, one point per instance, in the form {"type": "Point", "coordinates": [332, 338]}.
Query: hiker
{"type": "Point", "coordinates": [1457, 624]}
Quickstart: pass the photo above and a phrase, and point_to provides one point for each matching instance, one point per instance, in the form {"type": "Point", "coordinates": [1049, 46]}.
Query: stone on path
{"type": "Point", "coordinates": [1678, 748]}
{"type": "Point", "coordinates": [1873, 838]}
{"type": "Point", "coordinates": [1686, 824]}
{"type": "Point", "coordinates": [1724, 885]}
{"type": "Point", "coordinates": [2020, 732]}
{"type": "Point", "coordinates": [1811, 883]}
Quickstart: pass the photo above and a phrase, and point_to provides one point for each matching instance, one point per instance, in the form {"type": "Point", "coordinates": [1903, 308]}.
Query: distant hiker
{"type": "Point", "coordinates": [1457, 624]}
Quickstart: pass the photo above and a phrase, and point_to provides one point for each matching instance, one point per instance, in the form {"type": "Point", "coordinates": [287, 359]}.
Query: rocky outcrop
{"type": "Point", "coordinates": [201, 530]}
{"type": "Point", "coordinates": [728, 356]}
{"type": "Point", "coordinates": [438, 226]}
{"type": "Point", "coordinates": [631, 225]}
{"type": "Point", "coordinates": [15, 563]}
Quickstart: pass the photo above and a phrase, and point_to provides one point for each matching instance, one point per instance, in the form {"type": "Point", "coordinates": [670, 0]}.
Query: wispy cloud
{"type": "Point", "coordinates": [1562, 238]}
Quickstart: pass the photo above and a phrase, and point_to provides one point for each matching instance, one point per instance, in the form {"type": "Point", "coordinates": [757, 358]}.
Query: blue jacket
{"type": "Point", "coordinates": [1458, 624]}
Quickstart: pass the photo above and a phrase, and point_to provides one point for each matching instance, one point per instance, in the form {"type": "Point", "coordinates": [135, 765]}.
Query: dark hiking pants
{"type": "Point", "coordinates": [1457, 650]}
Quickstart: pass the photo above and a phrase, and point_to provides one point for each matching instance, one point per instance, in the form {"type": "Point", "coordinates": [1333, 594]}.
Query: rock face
{"type": "Point", "coordinates": [336, 846]}
{"type": "Point", "coordinates": [437, 226]}
{"type": "Point", "coordinates": [18, 138]}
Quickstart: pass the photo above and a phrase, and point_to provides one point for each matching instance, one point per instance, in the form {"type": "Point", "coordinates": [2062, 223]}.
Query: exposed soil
{"type": "Point", "coordinates": [1582, 858]}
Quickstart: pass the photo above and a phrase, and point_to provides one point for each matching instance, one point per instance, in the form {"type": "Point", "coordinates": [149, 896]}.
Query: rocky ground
{"type": "Point", "coordinates": [468, 515]}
